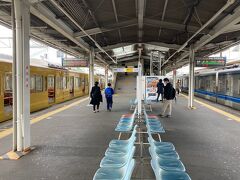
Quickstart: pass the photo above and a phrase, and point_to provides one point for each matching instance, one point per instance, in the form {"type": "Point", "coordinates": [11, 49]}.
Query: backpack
{"type": "Point", "coordinates": [108, 92]}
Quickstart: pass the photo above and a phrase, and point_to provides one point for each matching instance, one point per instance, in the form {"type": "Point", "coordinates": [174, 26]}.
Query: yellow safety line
{"type": "Point", "coordinates": [231, 116]}
{"type": "Point", "coordinates": [44, 116]}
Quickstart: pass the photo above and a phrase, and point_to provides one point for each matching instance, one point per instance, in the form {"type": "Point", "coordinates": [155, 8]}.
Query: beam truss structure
{"type": "Point", "coordinates": [155, 63]}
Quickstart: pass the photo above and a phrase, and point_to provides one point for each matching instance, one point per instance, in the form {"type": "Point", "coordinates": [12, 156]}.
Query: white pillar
{"type": "Point", "coordinates": [91, 69]}
{"type": "Point", "coordinates": [174, 78]}
{"type": "Point", "coordinates": [139, 90]}
{"type": "Point", "coordinates": [191, 78]}
{"type": "Point", "coordinates": [106, 75]}
{"type": "Point", "coordinates": [22, 18]}
{"type": "Point", "coordinates": [14, 144]}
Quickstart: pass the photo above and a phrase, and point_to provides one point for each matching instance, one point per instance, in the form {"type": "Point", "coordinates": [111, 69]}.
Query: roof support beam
{"type": "Point", "coordinates": [169, 25]}
{"type": "Point", "coordinates": [163, 16]}
{"type": "Point", "coordinates": [111, 27]}
{"type": "Point", "coordinates": [170, 46]}
{"type": "Point", "coordinates": [141, 8]}
{"type": "Point", "coordinates": [116, 18]}
{"type": "Point", "coordinates": [80, 28]}
{"type": "Point", "coordinates": [48, 17]}
{"type": "Point", "coordinates": [109, 48]}
{"type": "Point", "coordinates": [132, 58]}
{"type": "Point", "coordinates": [233, 28]}
{"type": "Point", "coordinates": [218, 29]}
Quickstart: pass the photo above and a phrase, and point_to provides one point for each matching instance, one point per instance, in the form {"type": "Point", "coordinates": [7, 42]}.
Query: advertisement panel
{"type": "Point", "coordinates": [151, 87]}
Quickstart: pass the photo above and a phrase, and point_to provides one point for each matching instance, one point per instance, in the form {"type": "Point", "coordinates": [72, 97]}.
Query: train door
{"type": "Point", "coordinates": [51, 88]}
{"type": "Point", "coordinates": [71, 86]}
{"type": "Point", "coordinates": [7, 96]}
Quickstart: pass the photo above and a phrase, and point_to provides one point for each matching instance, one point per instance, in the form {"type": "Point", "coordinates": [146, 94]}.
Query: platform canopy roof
{"type": "Point", "coordinates": [124, 29]}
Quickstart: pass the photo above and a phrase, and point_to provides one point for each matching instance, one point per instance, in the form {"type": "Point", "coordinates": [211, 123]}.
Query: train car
{"type": "Point", "coordinates": [48, 86]}
{"type": "Point", "coordinates": [221, 86]}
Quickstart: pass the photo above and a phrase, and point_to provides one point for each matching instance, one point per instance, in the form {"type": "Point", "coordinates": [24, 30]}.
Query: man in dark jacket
{"type": "Point", "coordinates": [168, 97]}
{"type": "Point", "coordinates": [160, 87]}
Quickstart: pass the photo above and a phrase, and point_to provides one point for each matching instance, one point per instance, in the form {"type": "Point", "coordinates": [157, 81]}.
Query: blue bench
{"type": "Point", "coordinates": [165, 161]}
{"type": "Point", "coordinates": [118, 162]}
{"type": "Point", "coordinates": [125, 124]}
{"type": "Point", "coordinates": [133, 103]}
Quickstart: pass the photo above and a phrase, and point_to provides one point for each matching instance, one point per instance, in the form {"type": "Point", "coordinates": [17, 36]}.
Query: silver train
{"type": "Point", "coordinates": [220, 86]}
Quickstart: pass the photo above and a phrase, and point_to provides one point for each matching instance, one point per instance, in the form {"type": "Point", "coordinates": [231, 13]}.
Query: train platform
{"type": "Point", "coordinates": [70, 141]}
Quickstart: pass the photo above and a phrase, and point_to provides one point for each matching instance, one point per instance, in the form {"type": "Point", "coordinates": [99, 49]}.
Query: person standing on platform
{"type": "Point", "coordinates": [169, 95]}
{"type": "Point", "coordinates": [109, 94]}
{"type": "Point", "coordinates": [160, 87]}
{"type": "Point", "coordinates": [96, 97]}
{"type": "Point", "coordinates": [178, 87]}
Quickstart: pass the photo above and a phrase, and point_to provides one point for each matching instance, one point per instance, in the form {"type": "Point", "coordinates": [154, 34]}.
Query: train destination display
{"type": "Point", "coordinates": [210, 61]}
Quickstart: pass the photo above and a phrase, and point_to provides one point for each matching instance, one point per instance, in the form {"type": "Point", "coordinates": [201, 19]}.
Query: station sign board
{"type": "Point", "coordinates": [74, 63]}
{"type": "Point", "coordinates": [129, 69]}
{"type": "Point", "coordinates": [210, 61]}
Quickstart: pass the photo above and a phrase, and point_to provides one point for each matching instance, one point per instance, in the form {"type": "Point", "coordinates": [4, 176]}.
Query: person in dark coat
{"type": "Point", "coordinates": [160, 87]}
{"type": "Point", "coordinates": [96, 97]}
{"type": "Point", "coordinates": [169, 95]}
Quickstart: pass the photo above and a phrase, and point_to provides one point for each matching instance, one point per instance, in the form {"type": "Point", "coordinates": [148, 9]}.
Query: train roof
{"type": "Point", "coordinates": [37, 63]}
{"type": "Point", "coordinates": [232, 70]}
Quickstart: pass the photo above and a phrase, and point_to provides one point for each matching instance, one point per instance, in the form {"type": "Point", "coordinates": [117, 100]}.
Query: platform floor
{"type": "Point", "coordinates": [70, 144]}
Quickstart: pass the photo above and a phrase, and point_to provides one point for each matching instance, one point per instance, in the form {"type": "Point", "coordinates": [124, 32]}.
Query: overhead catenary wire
{"type": "Point", "coordinates": [75, 22]}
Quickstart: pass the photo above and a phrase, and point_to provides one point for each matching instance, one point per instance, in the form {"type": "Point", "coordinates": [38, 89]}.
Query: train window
{"type": "Point", "coordinates": [59, 82]}
{"type": "Point", "coordinates": [238, 86]}
{"type": "Point", "coordinates": [8, 82]}
{"type": "Point", "coordinates": [50, 82]}
{"type": "Point", "coordinates": [229, 84]}
{"type": "Point", "coordinates": [78, 82]}
{"type": "Point", "coordinates": [86, 82]}
{"type": "Point", "coordinates": [32, 83]}
{"type": "Point", "coordinates": [39, 83]}
{"type": "Point", "coordinates": [64, 82]}
{"type": "Point", "coordinates": [83, 82]}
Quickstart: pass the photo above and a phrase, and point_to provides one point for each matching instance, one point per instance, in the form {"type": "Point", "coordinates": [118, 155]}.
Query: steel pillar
{"type": "Point", "coordinates": [160, 63]}
{"type": "Point", "coordinates": [191, 78]}
{"type": "Point", "coordinates": [106, 76]}
{"type": "Point", "coordinates": [91, 69]}
{"type": "Point", "coordinates": [151, 64]}
{"type": "Point", "coordinates": [22, 20]}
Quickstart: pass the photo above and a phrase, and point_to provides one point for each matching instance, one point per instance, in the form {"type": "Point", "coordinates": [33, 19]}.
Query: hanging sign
{"type": "Point", "coordinates": [210, 61]}
{"type": "Point", "coordinates": [74, 63]}
{"type": "Point", "coordinates": [129, 70]}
